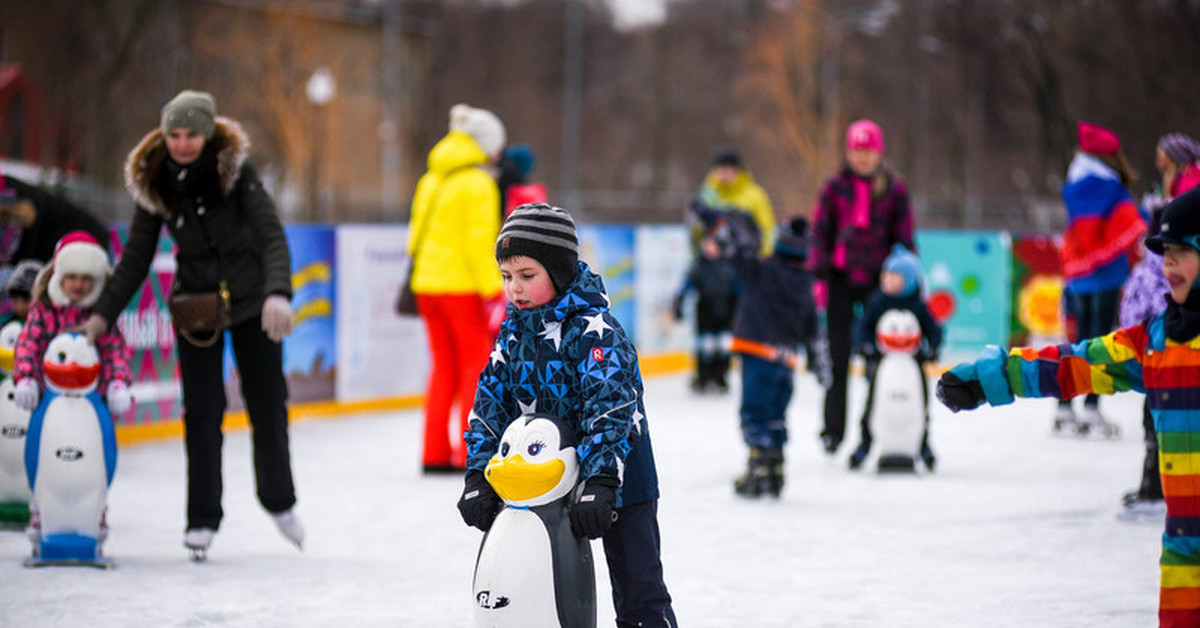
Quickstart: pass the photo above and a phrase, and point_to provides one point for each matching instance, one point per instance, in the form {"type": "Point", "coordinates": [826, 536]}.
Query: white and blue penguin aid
{"type": "Point", "coordinates": [532, 571]}
{"type": "Point", "coordinates": [70, 455]}
{"type": "Point", "coordinates": [15, 494]}
{"type": "Point", "coordinates": [897, 418]}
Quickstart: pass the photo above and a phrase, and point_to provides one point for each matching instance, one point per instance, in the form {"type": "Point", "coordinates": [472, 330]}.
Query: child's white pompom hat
{"type": "Point", "coordinates": [78, 253]}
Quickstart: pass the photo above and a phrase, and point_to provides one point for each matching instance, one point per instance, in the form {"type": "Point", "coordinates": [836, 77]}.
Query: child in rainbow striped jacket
{"type": "Point", "coordinates": [1159, 356]}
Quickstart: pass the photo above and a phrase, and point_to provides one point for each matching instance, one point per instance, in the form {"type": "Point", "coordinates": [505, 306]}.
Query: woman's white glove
{"type": "Point", "coordinates": [277, 317]}
{"type": "Point", "coordinates": [119, 398]}
{"type": "Point", "coordinates": [26, 394]}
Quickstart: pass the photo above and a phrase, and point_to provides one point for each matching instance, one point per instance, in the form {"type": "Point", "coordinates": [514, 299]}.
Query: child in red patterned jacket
{"type": "Point", "coordinates": [63, 296]}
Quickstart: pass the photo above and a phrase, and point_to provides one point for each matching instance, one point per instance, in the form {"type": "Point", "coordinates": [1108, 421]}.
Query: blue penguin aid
{"type": "Point", "coordinates": [897, 418]}
{"type": "Point", "coordinates": [15, 494]}
{"type": "Point", "coordinates": [532, 571]}
{"type": "Point", "coordinates": [70, 457]}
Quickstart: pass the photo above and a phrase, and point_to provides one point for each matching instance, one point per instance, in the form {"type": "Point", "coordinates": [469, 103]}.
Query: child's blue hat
{"type": "Point", "coordinates": [904, 262]}
{"type": "Point", "coordinates": [521, 157]}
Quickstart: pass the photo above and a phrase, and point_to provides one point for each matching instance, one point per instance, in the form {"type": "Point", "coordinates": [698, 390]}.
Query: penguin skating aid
{"type": "Point", "coordinates": [70, 457]}
{"type": "Point", "coordinates": [15, 494]}
{"type": "Point", "coordinates": [532, 571]}
{"type": "Point", "coordinates": [898, 413]}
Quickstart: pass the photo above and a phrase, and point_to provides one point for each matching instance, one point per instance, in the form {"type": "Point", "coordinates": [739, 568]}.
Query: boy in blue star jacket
{"type": "Point", "coordinates": [561, 352]}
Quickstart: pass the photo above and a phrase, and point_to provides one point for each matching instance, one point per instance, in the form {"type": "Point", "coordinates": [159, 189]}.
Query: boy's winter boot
{"type": "Point", "coordinates": [289, 525]}
{"type": "Point", "coordinates": [721, 372]}
{"type": "Point", "coordinates": [697, 383]}
{"type": "Point", "coordinates": [773, 458]}
{"type": "Point", "coordinates": [756, 480]}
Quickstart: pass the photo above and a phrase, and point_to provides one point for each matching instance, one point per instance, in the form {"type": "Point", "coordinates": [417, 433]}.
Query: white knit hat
{"type": "Point", "coordinates": [482, 125]}
{"type": "Point", "coordinates": [78, 253]}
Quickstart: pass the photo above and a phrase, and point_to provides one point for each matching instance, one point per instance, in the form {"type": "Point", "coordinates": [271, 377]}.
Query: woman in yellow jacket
{"type": "Point", "coordinates": [452, 237]}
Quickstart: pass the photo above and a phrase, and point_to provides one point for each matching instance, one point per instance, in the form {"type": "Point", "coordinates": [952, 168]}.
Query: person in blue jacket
{"type": "Point", "coordinates": [561, 352]}
{"type": "Point", "coordinates": [899, 289]}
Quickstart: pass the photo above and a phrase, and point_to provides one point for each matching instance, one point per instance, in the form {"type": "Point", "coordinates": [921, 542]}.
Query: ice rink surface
{"type": "Point", "coordinates": [1017, 527]}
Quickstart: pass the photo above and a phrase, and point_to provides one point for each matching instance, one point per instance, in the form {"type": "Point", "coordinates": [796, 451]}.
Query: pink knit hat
{"type": "Point", "coordinates": [78, 253]}
{"type": "Point", "coordinates": [1098, 140]}
{"type": "Point", "coordinates": [864, 134]}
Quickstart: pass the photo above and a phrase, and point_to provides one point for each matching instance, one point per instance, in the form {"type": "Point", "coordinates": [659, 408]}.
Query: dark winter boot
{"type": "Point", "coordinates": [859, 456]}
{"type": "Point", "coordinates": [760, 470]}
{"type": "Point", "coordinates": [720, 372]}
{"type": "Point", "coordinates": [928, 458]}
{"type": "Point", "coordinates": [774, 461]}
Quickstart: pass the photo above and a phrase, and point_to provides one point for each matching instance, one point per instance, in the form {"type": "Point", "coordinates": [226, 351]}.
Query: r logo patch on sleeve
{"type": "Point", "coordinates": [597, 354]}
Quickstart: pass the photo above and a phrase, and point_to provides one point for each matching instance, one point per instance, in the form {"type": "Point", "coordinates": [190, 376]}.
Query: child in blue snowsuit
{"type": "Point", "coordinates": [776, 318]}
{"type": "Point", "coordinates": [561, 352]}
{"type": "Point", "coordinates": [899, 289]}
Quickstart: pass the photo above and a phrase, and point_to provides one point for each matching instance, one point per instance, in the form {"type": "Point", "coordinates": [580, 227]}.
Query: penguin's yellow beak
{"type": "Point", "coordinates": [6, 359]}
{"type": "Point", "coordinates": [517, 480]}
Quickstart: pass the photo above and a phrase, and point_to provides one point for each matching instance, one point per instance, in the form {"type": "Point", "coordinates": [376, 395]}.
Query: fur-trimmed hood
{"type": "Point", "coordinates": [146, 160]}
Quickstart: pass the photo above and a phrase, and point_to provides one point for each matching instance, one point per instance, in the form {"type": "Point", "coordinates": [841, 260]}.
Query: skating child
{"type": "Point", "coordinates": [63, 296]}
{"type": "Point", "coordinates": [714, 280]}
{"type": "Point", "coordinates": [1176, 156]}
{"type": "Point", "coordinates": [561, 352]}
{"type": "Point", "coordinates": [899, 289]}
{"type": "Point", "coordinates": [1158, 356]}
{"type": "Point", "coordinates": [776, 318]}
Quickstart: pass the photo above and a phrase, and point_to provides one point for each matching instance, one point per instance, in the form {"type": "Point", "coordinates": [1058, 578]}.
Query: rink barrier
{"type": "Point", "coordinates": [651, 365]}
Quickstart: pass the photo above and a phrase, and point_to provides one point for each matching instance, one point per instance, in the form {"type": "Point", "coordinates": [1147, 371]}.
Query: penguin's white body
{"type": "Point", "coordinates": [532, 571]}
{"type": "Point", "coordinates": [14, 424]}
{"type": "Point", "coordinates": [70, 454]}
{"type": "Point", "coordinates": [898, 412]}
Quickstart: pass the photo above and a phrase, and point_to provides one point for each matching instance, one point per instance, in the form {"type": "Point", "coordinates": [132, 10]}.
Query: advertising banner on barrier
{"type": "Point", "coordinates": [310, 352]}
{"type": "Point", "coordinates": [663, 254]}
{"type": "Point", "coordinates": [609, 251]}
{"type": "Point", "coordinates": [148, 332]}
{"type": "Point", "coordinates": [379, 354]}
{"type": "Point", "coordinates": [348, 344]}
{"type": "Point", "coordinates": [967, 276]}
{"type": "Point", "coordinates": [1037, 291]}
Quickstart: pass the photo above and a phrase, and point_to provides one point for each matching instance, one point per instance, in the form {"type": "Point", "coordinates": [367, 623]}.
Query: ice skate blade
{"type": "Point", "coordinates": [197, 554]}
{"type": "Point", "coordinates": [97, 563]}
{"type": "Point", "coordinates": [1110, 431]}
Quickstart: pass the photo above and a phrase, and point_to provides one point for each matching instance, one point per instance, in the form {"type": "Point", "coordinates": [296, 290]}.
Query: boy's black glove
{"type": "Point", "coordinates": [677, 307]}
{"type": "Point", "coordinates": [958, 394]}
{"type": "Point", "coordinates": [479, 503]}
{"type": "Point", "coordinates": [593, 514]}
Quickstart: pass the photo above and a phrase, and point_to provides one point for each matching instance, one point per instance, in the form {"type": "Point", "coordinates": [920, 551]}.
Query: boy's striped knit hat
{"type": "Point", "coordinates": [544, 233]}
